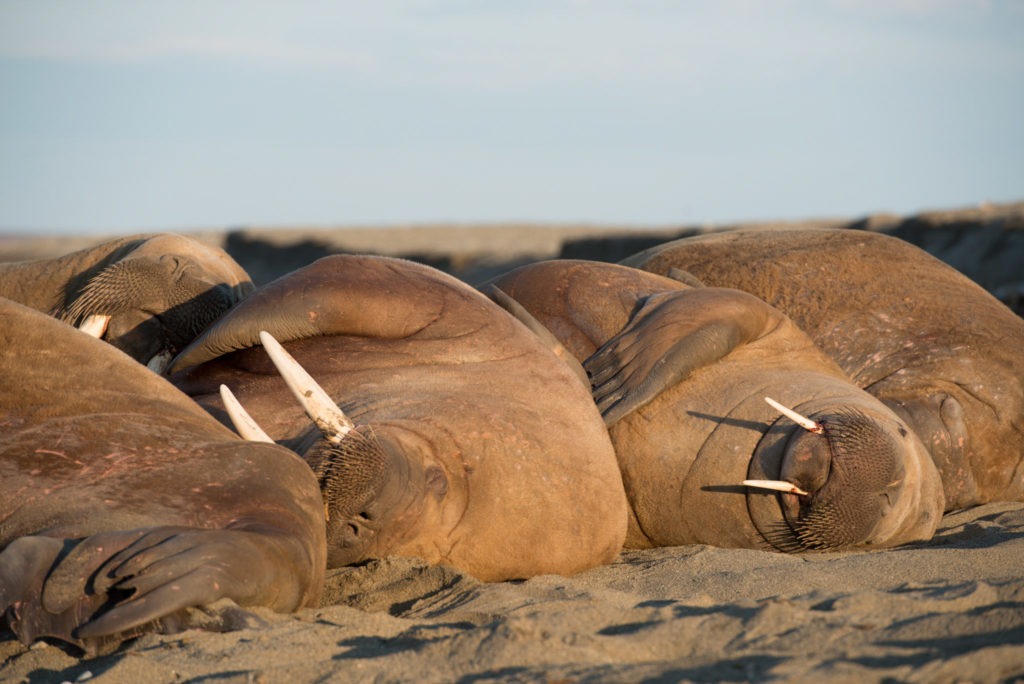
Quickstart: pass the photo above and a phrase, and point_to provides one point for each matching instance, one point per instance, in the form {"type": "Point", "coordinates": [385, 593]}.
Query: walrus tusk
{"type": "Point", "coordinates": [245, 425]}
{"type": "Point", "coordinates": [803, 421]}
{"type": "Point", "coordinates": [777, 485]}
{"type": "Point", "coordinates": [319, 406]}
{"type": "Point", "coordinates": [95, 325]}
{"type": "Point", "coordinates": [159, 363]}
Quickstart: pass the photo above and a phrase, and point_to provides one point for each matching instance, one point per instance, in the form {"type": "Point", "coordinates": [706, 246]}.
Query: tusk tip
{"type": "Point", "coordinates": [777, 486]}
{"type": "Point", "coordinates": [801, 420]}
{"type": "Point", "coordinates": [244, 424]}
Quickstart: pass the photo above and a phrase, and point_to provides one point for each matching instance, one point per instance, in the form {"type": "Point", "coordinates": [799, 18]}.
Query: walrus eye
{"type": "Point", "coordinates": [319, 406]}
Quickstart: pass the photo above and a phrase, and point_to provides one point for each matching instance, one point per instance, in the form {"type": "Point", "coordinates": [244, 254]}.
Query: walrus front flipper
{"type": "Point", "coordinates": [671, 335]}
{"type": "Point", "coordinates": [538, 329]}
{"type": "Point", "coordinates": [24, 566]}
{"type": "Point", "coordinates": [170, 569]}
{"type": "Point", "coordinates": [114, 586]}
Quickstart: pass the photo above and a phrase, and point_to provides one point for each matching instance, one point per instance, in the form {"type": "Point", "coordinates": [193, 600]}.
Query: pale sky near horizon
{"type": "Point", "coordinates": [130, 115]}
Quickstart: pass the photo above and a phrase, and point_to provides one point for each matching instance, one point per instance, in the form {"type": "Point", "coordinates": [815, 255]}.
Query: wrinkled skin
{"type": "Point", "coordinates": [161, 290]}
{"type": "Point", "coordinates": [681, 373]}
{"type": "Point", "coordinates": [476, 446]}
{"type": "Point", "coordinates": [940, 351]}
{"type": "Point", "coordinates": [123, 504]}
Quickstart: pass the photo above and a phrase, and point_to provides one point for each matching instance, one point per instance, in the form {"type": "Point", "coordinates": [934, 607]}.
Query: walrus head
{"type": "Point", "coordinates": [848, 476]}
{"type": "Point", "coordinates": [153, 302]}
{"type": "Point", "coordinates": [365, 478]}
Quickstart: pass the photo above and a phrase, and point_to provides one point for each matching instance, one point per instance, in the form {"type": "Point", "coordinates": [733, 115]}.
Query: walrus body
{"type": "Point", "coordinates": [474, 445]}
{"type": "Point", "coordinates": [122, 502]}
{"type": "Point", "coordinates": [932, 345]}
{"type": "Point", "coordinates": [159, 290]}
{"type": "Point", "coordinates": [681, 374]}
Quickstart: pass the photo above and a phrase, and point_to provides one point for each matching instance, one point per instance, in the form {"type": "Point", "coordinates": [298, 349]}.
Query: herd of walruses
{"type": "Point", "coordinates": [172, 436]}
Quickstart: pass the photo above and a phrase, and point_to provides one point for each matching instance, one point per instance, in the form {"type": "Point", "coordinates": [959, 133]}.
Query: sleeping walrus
{"type": "Point", "coordinates": [148, 295]}
{"type": "Point", "coordinates": [682, 375]}
{"type": "Point", "coordinates": [941, 352]}
{"type": "Point", "coordinates": [123, 503]}
{"type": "Point", "coordinates": [444, 429]}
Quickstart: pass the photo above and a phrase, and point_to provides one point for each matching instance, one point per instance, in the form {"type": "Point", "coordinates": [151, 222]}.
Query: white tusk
{"type": "Point", "coordinates": [160, 361]}
{"type": "Point", "coordinates": [803, 421]}
{"type": "Point", "coordinates": [246, 426]}
{"type": "Point", "coordinates": [319, 406]}
{"type": "Point", "coordinates": [777, 485]}
{"type": "Point", "coordinates": [95, 325]}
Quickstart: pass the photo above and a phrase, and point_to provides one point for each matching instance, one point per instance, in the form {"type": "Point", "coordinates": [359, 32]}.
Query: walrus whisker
{"type": "Point", "coordinates": [95, 325]}
{"type": "Point", "coordinates": [776, 485]}
{"type": "Point", "coordinates": [803, 421]}
{"type": "Point", "coordinates": [319, 406]}
{"type": "Point", "coordinates": [245, 425]}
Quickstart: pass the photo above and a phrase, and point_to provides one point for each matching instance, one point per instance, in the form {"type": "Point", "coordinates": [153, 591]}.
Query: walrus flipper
{"type": "Point", "coordinates": [24, 566]}
{"type": "Point", "coordinates": [169, 569]}
{"type": "Point", "coordinates": [537, 328]}
{"type": "Point", "coordinates": [97, 596]}
{"type": "Point", "coordinates": [666, 340]}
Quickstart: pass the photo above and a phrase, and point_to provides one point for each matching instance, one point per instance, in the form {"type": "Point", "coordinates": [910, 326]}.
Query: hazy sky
{"type": "Point", "coordinates": [130, 115]}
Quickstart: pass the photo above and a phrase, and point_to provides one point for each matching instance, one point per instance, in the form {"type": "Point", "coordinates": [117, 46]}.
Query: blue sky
{"type": "Point", "coordinates": [126, 115]}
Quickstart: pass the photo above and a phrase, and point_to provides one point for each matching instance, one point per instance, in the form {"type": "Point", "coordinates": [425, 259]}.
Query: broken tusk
{"type": "Point", "coordinates": [246, 426]}
{"type": "Point", "coordinates": [319, 406]}
{"type": "Point", "coordinates": [159, 363]}
{"type": "Point", "coordinates": [803, 421]}
{"type": "Point", "coordinates": [776, 485]}
{"type": "Point", "coordinates": [95, 325]}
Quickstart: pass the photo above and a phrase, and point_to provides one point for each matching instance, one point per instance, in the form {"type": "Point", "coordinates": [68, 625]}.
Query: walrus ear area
{"type": "Point", "coordinates": [520, 313]}
{"type": "Point", "coordinates": [671, 335]}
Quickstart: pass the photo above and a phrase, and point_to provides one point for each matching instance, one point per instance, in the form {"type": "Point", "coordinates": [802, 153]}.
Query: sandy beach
{"type": "Point", "coordinates": [949, 610]}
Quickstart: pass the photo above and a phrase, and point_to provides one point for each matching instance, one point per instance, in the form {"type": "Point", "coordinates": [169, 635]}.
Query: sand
{"type": "Point", "coordinates": [948, 610]}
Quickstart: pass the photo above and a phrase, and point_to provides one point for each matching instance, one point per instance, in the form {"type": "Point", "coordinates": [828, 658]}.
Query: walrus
{"type": "Point", "coordinates": [708, 389]}
{"type": "Point", "coordinates": [123, 503]}
{"type": "Point", "coordinates": [940, 351]}
{"type": "Point", "coordinates": [437, 425]}
{"type": "Point", "coordinates": [148, 295]}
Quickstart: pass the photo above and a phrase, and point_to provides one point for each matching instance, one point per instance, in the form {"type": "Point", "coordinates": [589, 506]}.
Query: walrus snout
{"type": "Point", "coordinates": [852, 472]}
{"type": "Point", "coordinates": [842, 472]}
{"type": "Point", "coordinates": [149, 308]}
